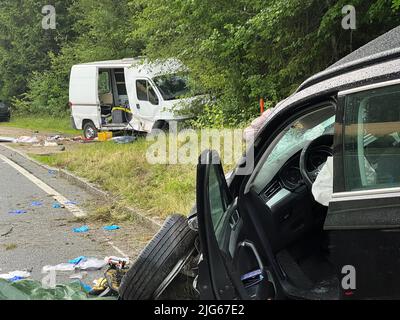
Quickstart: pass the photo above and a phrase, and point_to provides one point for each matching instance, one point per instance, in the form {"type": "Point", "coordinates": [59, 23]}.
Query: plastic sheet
{"type": "Point", "coordinates": [322, 188]}
{"type": "Point", "coordinates": [33, 290]}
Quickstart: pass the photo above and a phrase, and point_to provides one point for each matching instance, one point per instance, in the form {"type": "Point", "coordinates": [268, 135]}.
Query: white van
{"type": "Point", "coordinates": [127, 94]}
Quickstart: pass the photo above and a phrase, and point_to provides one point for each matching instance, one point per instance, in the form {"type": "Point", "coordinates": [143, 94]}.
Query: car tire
{"type": "Point", "coordinates": [89, 130]}
{"type": "Point", "coordinates": [171, 245]}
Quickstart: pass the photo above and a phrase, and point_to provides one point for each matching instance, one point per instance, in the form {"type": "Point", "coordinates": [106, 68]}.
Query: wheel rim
{"type": "Point", "coordinates": [90, 133]}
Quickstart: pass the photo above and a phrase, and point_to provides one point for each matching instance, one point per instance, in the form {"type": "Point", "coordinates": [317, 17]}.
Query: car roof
{"type": "Point", "coordinates": [378, 60]}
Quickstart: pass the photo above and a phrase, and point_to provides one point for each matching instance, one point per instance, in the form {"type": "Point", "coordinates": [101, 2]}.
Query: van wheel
{"type": "Point", "coordinates": [89, 130]}
{"type": "Point", "coordinates": [160, 261]}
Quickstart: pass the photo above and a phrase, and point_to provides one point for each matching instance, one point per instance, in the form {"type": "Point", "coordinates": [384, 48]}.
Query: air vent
{"type": "Point", "coordinates": [272, 189]}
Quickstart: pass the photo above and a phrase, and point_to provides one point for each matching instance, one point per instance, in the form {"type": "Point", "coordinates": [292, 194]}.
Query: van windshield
{"type": "Point", "coordinates": [172, 86]}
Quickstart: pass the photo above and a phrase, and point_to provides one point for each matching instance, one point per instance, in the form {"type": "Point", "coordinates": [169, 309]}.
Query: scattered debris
{"type": "Point", "coordinates": [11, 276]}
{"type": "Point", "coordinates": [59, 267]}
{"type": "Point", "coordinates": [81, 229]}
{"type": "Point", "coordinates": [36, 204]}
{"type": "Point", "coordinates": [71, 202]}
{"type": "Point", "coordinates": [79, 275]}
{"type": "Point", "coordinates": [111, 228]}
{"type": "Point", "coordinates": [7, 139]}
{"type": "Point", "coordinates": [87, 264]}
{"type": "Point", "coordinates": [124, 139]}
{"type": "Point", "coordinates": [50, 144]}
{"type": "Point", "coordinates": [91, 264]}
{"type": "Point", "coordinates": [26, 139]}
{"type": "Point", "coordinates": [34, 290]}
{"type": "Point", "coordinates": [77, 260]}
{"type": "Point", "coordinates": [6, 233]}
{"type": "Point", "coordinates": [17, 212]}
{"type": "Point", "coordinates": [57, 205]}
{"type": "Point", "coordinates": [117, 262]}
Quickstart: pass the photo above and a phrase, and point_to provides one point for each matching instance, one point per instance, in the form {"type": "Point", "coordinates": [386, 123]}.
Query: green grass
{"type": "Point", "coordinates": [42, 123]}
{"type": "Point", "coordinates": [156, 190]}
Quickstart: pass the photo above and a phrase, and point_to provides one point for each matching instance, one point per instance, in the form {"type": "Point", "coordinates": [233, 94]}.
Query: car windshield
{"type": "Point", "coordinates": [292, 140]}
{"type": "Point", "coordinates": [172, 86]}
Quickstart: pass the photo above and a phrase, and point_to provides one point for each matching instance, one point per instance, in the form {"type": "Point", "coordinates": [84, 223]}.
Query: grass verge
{"type": "Point", "coordinates": [42, 123]}
{"type": "Point", "coordinates": [155, 189]}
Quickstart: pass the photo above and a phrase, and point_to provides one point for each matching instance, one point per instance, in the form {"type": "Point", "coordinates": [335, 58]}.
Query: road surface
{"type": "Point", "coordinates": [44, 235]}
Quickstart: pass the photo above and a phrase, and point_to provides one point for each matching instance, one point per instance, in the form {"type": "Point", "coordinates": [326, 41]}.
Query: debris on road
{"type": "Point", "coordinates": [5, 232]}
{"type": "Point", "coordinates": [77, 260]}
{"type": "Point", "coordinates": [81, 229]}
{"type": "Point", "coordinates": [111, 228]}
{"type": "Point", "coordinates": [36, 204]}
{"type": "Point", "coordinates": [26, 139]}
{"type": "Point", "coordinates": [59, 267]}
{"type": "Point", "coordinates": [7, 139]}
{"type": "Point", "coordinates": [71, 202]}
{"type": "Point", "coordinates": [92, 264]}
{"type": "Point", "coordinates": [117, 262]}
{"type": "Point", "coordinates": [17, 212]}
{"type": "Point", "coordinates": [78, 276]}
{"type": "Point", "coordinates": [57, 205]}
{"type": "Point", "coordinates": [15, 275]}
{"type": "Point", "coordinates": [86, 264]}
{"type": "Point", "coordinates": [33, 290]}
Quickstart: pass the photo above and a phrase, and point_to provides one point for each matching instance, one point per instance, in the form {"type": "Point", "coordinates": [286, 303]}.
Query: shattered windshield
{"type": "Point", "coordinates": [292, 140]}
{"type": "Point", "coordinates": [172, 86]}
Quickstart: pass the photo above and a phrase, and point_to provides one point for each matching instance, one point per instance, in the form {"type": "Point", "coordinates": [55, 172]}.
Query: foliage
{"type": "Point", "coordinates": [237, 51]}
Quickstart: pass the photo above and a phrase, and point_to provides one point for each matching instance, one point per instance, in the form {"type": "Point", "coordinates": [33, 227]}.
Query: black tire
{"type": "Point", "coordinates": [173, 242]}
{"type": "Point", "coordinates": [89, 130]}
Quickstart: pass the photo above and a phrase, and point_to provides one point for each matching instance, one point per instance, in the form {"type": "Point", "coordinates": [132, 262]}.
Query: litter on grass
{"type": "Point", "coordinates": [124, 139]}
{"type": "Point", "coordinates": [81, 229]}
{"type": "Point", "coordinates": [26, 139]}
{"type": "Point", "coordinates": [111, 228]}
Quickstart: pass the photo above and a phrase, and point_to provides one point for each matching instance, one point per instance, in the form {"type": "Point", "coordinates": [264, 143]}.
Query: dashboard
{"type": "Point", "coordinates": [289, 178]}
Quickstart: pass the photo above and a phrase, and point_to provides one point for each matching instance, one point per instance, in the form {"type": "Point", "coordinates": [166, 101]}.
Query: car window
{"type": "Point", "coordinates": [292, 140]}
{"type": "Point", "coordinates": [372, 139]}
{"type": "Point", "coordinates": [172, 86]}
{"type": "Point", "coordinates": [141, 90]}
{"type": "Point", "coordinates": [218, 205]}
{"type": "Point", "coordinates": [104, 82]}
{"type": "Point", "coordinates": [146, 92]}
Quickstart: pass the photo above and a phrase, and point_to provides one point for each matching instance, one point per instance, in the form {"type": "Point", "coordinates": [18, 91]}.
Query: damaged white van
{"type": "Point", "coordinates": [127, 94]}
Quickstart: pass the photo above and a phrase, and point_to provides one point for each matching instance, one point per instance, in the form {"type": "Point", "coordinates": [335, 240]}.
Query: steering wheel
{"type": "Point", "coordinates": [313, 157]}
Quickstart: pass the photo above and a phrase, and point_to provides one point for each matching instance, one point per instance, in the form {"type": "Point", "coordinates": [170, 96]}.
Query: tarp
{"type": "Point", "coordinates": [33, 290]}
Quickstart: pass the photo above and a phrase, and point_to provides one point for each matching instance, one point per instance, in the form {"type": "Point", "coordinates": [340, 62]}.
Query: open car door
{"type": "Point", "coordinates": [231, 267]}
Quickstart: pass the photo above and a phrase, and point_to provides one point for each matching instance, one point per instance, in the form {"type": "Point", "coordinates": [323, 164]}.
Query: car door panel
{"type": "Point", "coordinates": [363, 221]}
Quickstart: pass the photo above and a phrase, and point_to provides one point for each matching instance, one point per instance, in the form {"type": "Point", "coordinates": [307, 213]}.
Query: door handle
{"type": "Point", "coordinates": [138, 106]}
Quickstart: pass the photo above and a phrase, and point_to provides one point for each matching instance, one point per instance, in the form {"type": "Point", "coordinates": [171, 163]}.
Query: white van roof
{"type": "Point", "coordinates": [139, 65]}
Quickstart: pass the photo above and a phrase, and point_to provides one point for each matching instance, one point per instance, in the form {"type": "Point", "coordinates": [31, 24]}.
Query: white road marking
{"type": "Point", "coordinates": [77, 212]}
{"type": "Point", "coordinates": [118, 249]}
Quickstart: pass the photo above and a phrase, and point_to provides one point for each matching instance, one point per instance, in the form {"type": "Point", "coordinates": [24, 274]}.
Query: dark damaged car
{"type": "Point", "coordinates": [262, 235]}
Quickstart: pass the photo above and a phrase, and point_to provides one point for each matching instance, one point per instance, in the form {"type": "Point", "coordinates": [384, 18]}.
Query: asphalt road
{"type": "Point", "coordinates": [44, 235]}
